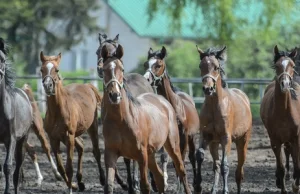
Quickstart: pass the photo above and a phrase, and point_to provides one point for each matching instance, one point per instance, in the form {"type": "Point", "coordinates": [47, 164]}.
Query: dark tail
{"type": "Point", "coordinates": [97, 95]}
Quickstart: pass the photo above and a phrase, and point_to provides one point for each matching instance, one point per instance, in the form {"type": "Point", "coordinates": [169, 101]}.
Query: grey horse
{"type": "Point", "coordinates": [15, 119]}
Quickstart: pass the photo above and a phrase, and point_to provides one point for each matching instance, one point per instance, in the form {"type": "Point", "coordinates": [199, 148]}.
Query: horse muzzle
{"type": "Point", "coordinates": [208, 90]}
{"type": "Point", "coordinates": [115, 97]}
{"type": "Point", "coordinates": [48, 85]}
{"type": "Point", "coordinates": [149, 77]}
{"type": "Point", "coordinates": [285, 85]}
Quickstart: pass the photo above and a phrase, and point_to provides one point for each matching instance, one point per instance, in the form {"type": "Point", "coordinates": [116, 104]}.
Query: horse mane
{"type": "Point", "coordinates": [10, 74]}
{"type": "Point", "coordinates": [222, 60]}
{"type": "Point", "coordinates": [156, 54]}
{"type": "Point", "coordinates": [277, 57]}
{"type": "Point", "coordinates": [129, 95]}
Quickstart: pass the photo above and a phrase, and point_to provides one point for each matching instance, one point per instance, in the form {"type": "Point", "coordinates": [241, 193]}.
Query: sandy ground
{"type": "Point", "coordinates": [259, 170]}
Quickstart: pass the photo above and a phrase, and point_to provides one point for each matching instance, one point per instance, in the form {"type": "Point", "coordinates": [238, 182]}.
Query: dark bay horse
{"type": "Point", "coordinates": [225, 118]}
{"type": "Point", "coordinates": [183, 104]}
{"type": "Point", "coordinates": [137, 85]}
{"type": "Point", "coordinates": [15, 119]}
{"type": "Point", "coordinates": [136, 127]}
{"type": "Point", "coordinates": [71, 111]}
{"type": "Point", "coordinates": [280, 113]}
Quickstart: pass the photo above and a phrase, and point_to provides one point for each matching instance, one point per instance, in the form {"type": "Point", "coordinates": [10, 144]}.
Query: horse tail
{"type": "Point", "coordinates": [97, 95]}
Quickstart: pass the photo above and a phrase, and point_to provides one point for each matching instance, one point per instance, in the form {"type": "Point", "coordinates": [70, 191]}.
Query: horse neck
{"type": "Point", "coordinates": [166, 91]}
{"type": "Point", "coordinates": [116, 112]}
{"type": "Point", "coordinates": [219, 94]}
{"type": "Point", "coordinates": [57, 103]}
{"type": "Point", "coordinates": [282, 101]}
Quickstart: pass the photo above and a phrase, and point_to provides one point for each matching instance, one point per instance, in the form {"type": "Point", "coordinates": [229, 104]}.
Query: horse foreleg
{"type": "Point", "coordinates": [70, 143]}
{"type": "Point", "coordinates": [93, 133]}
{"type": "Point", "coordinates": [110, 159]}
{"type": "Point", "coordinates": [287, 152]}
{"type": "Point", "coordinates": [79, 147]}
{"type": "Point", "coordinates": [213, 148]}
{"type": "Point", "coordinates": [135, 172]}
{"type": "Point", "coordinates": [10, 146]}
{"type": "Point", "coordinates": [226, 147]}
{"type": "Point", "coordinates": [200, 153]}
{"type": "Point", "coordinates": [280, 171]}
{"type": "Point", "coordinates": [241, 147]}
{"type": "Point", "coordinates": [192, 158]}
{"type": "Point", "coordinates": [295, 152]}
{"type": "Point", "coordinates": [19, 157]}
{"type": "Point", "coordinates": [33, 156]}
{"type": "Point", "coordinates": [132, 189]}
{"type": "Point", "coordinates": [40, 133]}
{"type": "Point", "coordinates": [143, 166]}
{"type": "Point", "coordinates": [164, 159]}
{"type": "Point", "coordinates": [157, 173]}
{"type": "Point", "coordinates": [173, 150]}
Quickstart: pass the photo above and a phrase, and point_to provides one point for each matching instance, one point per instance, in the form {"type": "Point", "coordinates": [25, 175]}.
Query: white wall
{"type": "Point", "coordinates": [134, 46]}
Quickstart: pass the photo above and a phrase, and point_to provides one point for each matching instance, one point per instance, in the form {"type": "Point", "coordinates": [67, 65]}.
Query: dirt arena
{"type": "Point", "coordinates": [259, 170]}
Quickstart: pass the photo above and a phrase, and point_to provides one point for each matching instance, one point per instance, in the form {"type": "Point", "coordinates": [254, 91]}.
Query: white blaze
{"type": "Point", "coordinates": [49, 67]}
{"type": "Point", "coordinates": [285, 64]}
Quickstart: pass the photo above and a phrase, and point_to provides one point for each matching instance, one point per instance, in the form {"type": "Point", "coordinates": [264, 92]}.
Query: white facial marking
{"type": "Point", "coordinates": [151, 62]}
{"type": "Point", "coordinates": [49, 67]}
{"type": "Point", "coordinates": [147, 75]}
{"type": "Point", "coordinates": [112, 67]}
{"type": "Point", "coordinates": [285, 64]}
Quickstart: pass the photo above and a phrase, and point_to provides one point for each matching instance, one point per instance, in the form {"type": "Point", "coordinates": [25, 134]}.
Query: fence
{"type": "Point", "coordinates": [190, 82]}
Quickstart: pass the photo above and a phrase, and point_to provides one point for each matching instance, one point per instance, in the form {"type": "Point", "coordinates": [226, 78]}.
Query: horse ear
{"type": "Point", "coordinates": [199, 50]}
{"type": "Point", "coordinates": [2, 45]}
{"type": "Point", "coordinates": [102, 37]}
{"type": "Point", "coordinates": [119, 52]}
{"type": "Point", "coordinates": [276, 50]}
{"type": "Point", "coordinates": [163, 52]}
{"type": "Point", "coordinates": [42, 57]}
{"type": "Point", "coordinates": [58, 58]}
{"type": "Point", "coordinates": [293, 54]}
{"type": "Point", "coordinates": [104, 53]}
{"type": "Point", "coordinates": [222, 53]}
{"type": "Point", "coordinates": [150, 52]}
{"type": "Point", "coordinates": [116, 38]}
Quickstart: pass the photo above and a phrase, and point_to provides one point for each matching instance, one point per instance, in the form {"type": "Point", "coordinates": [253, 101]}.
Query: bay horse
{"type": "Point", "coordinates": [137, 85]}
{"type": "Point", "coordinates": [183, 104]}
{"type": "Point", "coordinates": [15, 119]}
{"type": "Point", "coordinates": [280, 113]}
{"type": "Point", "coordinates": [225, 118]}
{"type": "Point", "coordinates": [71, 111]}
{"type": "Point", "coordinates": [136, 127]}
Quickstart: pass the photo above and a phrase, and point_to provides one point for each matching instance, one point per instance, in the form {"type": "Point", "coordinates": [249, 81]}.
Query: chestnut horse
{"type": "Point", "coordinates": [137, 85]}
{"type": "Point", "coordinates": [71, 111]}
{"type": "Point", "coordinates": [183, 104]}
{"type": "Point", "coordinates": [280, 113]}
{"type": "Point", "coordinates": [38, 129]}
{"type": "Point", "coordinates": [136, 127]}
{"type": "Point", "coordinates": [225, 117]}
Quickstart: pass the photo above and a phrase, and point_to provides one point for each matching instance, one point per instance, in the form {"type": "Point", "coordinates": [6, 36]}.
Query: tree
{"type": "Point", "coordinates": [32, 25]}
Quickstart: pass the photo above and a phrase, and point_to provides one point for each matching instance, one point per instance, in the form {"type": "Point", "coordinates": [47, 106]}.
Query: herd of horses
{"type": "Point", "coordinates": [145, 114]}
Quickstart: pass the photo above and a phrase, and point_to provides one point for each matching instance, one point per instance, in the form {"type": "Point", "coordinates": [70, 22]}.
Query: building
{"type": "Point", "coordinates": [130, 20]}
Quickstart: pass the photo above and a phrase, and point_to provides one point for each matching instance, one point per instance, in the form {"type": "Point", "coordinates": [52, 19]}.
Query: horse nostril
{"type": "Point", "coordinates": [211, 88]}
{"type": "Point", "coordinates": [203, 88]}
{"type": "Point", "coordinates": [50, 85]}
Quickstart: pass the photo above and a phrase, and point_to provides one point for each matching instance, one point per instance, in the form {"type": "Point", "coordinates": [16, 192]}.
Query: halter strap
{"type": "Point", "coordinates": [284, 73]}
{"type": "Point", "coordinates": [3, 73]}
{"type": "Point", "coordinates": [113, 80]}
{"type": "Point", "coordinates": [211, 76]}
{"type": "Point", "coordinates": [157, 78]}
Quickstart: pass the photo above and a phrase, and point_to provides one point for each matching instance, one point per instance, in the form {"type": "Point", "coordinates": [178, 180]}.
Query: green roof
{"type": "Point", "coordinates": [134, 13]}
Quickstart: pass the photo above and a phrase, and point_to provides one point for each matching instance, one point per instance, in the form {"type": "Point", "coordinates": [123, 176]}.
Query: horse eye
{"type": "Point", "coordinates": [41, 71]}
{"type": "Point", "coordinates": [216, 68]}
{"type": "Point", "coordinates": [56, 70]}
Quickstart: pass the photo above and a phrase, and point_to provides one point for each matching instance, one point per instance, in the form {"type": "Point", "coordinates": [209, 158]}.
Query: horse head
{"type": "Point", "coordinates": [211, 68]}
{"type": "Point", "coordinates": [285, 67]}
{"type": "Point", "coordinates": [155, 66]}
{"type": "Point", "coordinates": [111, 45]}
{"type": "Point", "coordinates": [113, 74]}
{"type": "Point", "coordinates": [49, 70]}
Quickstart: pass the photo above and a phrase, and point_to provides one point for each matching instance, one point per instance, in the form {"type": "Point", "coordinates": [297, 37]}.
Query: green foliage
{"type": "Point", "coordinates": [32, 25]}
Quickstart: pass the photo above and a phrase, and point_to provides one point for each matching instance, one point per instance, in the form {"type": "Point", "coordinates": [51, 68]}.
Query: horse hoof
{"type": "Point", "coordinates": [124, 186]}
{"type": "Point", "coordinates": [102, 180]}
{"type": "Point", "coordinates": [295, 187]}
{"type": "Point", "coordinates": [278, 185]}
{"type": "Point", "coordinates": [74, 186]}
{"type": "Point", "coordinates": [58, 177]}
{"type": "Point", "coordinates": [153, 185]}
{"type": "Point", "coordinates": [81, 186]}
{"type": "Point", "coordinates": [133, 191]}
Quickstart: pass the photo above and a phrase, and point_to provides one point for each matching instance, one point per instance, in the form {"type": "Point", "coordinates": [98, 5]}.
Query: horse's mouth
{"type": "Point", "coordinates": [115, 102]}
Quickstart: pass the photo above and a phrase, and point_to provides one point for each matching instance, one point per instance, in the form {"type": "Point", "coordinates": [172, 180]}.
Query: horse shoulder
{"type": "Point", "coordinates": [270, 86]}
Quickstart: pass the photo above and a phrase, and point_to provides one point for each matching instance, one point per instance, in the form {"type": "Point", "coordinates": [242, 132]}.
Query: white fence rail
{"type": "Point", "coordinates": [191, 83]}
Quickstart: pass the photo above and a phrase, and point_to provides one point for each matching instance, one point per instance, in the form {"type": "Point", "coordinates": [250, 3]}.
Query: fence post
{"type": "Point", "coordinates": [191, 89]}
{"type": "Point", "coordinates": [41, 96]}
{"type": "Point", "coordinates": [93, 74]}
